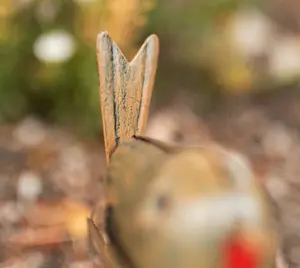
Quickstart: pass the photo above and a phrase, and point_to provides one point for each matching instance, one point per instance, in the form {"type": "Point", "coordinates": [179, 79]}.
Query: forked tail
{"type": "Point", "coordinates": [125, 89]}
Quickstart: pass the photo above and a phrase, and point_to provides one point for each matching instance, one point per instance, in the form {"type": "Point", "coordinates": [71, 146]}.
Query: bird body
{"type": "Point", "coordinates": [176, 206]}
{"type": "Point", "coordinates": [171, 206]}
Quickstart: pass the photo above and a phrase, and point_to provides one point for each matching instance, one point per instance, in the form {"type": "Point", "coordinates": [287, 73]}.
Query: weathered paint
{"type": "Point", "coordinates": [125, 89]}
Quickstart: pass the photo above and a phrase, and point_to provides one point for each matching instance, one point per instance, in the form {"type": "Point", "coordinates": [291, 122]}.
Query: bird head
{"type": "Point", "coordinates": [204, 208]}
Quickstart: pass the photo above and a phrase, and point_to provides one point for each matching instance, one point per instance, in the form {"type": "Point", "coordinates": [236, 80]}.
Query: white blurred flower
{"type": "Point", "coordinates": [285, 57]}
{"type": "Point", "coordinates": [54, 47]}
{"type": "Point", "coordinates": [46, 11]}
{"type": "Point", "coordinates": [84, 1]}
{"type": "Point", "coordinates": [22, 3]}
{"type": "Point", "coordinates": [250, 31]}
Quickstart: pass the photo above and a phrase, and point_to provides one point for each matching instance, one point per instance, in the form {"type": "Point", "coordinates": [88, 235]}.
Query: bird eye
{"type": "Point", "coordinates": [162, 202]}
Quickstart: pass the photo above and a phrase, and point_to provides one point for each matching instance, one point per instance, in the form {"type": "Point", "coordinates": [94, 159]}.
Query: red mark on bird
{"type": "Point", "coordinates": [239, 254]}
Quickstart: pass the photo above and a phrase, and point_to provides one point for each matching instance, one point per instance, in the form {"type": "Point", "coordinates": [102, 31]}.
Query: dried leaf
{"type": "Point", "coordinates": [39, 237]}
{"type": "Point", "coordinates": [45, 214]}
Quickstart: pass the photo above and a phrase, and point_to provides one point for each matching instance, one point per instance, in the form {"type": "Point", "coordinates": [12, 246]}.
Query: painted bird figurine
{"type": "Point", "coordinates": [171, 206]}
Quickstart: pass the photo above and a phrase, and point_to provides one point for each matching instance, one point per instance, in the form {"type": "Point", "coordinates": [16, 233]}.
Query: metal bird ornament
{"type": "Point", "coordinates": [171, 206]}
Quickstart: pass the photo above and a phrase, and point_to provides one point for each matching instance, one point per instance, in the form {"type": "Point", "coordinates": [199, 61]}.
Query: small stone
{"type": "Point", "coordinates": [73, 167]}
{"type": "Point", "coordinates": [277, 141]}
{"type": "Point", "coordinates": [161, 127]}
{"type": "Point", "coordinates": [35, 260]}
{"type": "Point", "coordinates": [294, 255]}
{"type": "Point", "coordinates": [276, 187]}
{"type": "Point", "coordinates": [32, 260]}
{"type": "Point", "coordinates": [29, 185]}
{"type": "Point", "coordinates": [30, 132]}
{"type": "Point", "coordinates": [81, 264]}
{"type": "Point", "coordinates": [280, 262]}
{"type": "Point", "coordinates": [10, 212]}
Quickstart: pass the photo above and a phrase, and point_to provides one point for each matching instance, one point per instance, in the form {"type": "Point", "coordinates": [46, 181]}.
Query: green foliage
{"type": "Point", "coordinates": [65, 92]}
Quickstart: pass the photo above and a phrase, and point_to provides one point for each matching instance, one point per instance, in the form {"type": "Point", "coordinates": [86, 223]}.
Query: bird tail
{"type": "Point", "coordinates": [125, 89]}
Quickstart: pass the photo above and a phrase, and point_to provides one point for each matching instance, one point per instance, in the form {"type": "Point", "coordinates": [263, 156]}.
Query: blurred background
{"type": "Point", "coordinates": [228, 71]}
